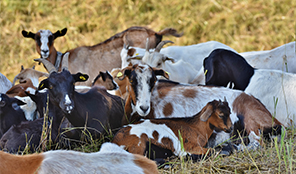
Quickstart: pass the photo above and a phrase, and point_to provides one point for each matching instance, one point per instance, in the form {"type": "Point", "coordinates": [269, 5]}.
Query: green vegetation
{"type": "Point", "coordinates": [245, 25]}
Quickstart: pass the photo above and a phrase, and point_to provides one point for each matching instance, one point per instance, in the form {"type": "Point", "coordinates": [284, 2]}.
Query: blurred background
{"type": "Point", "coordinates": [245, 25]}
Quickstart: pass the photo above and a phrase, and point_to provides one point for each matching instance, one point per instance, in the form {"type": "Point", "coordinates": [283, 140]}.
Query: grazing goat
{"type": "Point", "coordinates": [29, 73]}
{"type": "Point", "coordinates": [110, 159]}
{"type": "Point", "coordinates": [150, 98]}
{"type": "Point", "coordinates": [96, 109]}
{"type": "Point", "coordinates": [280, 58]}
{"type": "Point", "coordinates": [5, 84]}
{"type": "Point", "coordinates": [103, 56]}
{"type": "Point", "coordinates": [166, 133]}
{"type": "Point", "coordinates": [274, 88]}
{"type": "Point", "coordinates": [10, 113]}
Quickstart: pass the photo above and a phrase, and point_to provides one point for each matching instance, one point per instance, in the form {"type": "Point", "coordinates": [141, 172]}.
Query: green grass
{"type": "Point", "coordinates": [245, 25]}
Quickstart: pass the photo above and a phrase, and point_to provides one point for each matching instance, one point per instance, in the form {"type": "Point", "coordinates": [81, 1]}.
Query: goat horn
{"type": "Point", "coordinates": [49, 66]}
{"type": "Point", "coordinates": [161, 44]}
{"type": "Point", "coordinates": [15, 78]}
{"type": "Point", "coordinates": [147, 44]}
{"type": "Point", "coordinates": [126, 46]}
{"type": "Point", "coordinates": [65, 61]}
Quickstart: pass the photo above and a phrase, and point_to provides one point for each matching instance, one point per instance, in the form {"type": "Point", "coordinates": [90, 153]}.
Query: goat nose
{"type": "Point", "coordinates": [44, 51]}
{"type": "Point", "coordinates": [144, 108]}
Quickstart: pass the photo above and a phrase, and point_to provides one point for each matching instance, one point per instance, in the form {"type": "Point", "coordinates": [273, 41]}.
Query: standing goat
{"type": "Point", "coordinates": [100, 57]}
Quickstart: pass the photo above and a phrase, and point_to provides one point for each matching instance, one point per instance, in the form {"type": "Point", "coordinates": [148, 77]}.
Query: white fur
{"type": "Point", "coordinates": [44, 34]}
{"type": "Point", "coordinates": [29, 108]}
{"type": "Point", "coordinates": [276, 58]}
{"type": "Point", "coordinates": [143, 98]}
{"type": "Point", "coordinates": [163, 130]}
{"type": "Point", "coordinates": [111, 159]}
{"type": "Point", "coordinates": [5, 84]}
{"type": "Point", "coordinates": [269, 84]}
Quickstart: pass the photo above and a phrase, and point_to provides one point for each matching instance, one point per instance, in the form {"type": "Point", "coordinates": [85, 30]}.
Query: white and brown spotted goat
{"type": "Point", "coordinates": [167, 133]}
{"type": "Point", "coordinates": [99, 57]}
{"type": "Point", "coordinates": [152, 98]}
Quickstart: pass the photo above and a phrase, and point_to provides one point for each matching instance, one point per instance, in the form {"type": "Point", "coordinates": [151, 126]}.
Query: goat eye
{"type": "Point", "coordinates": [50, 86]}
{"type": "Point", "coordinates": [131, 81]}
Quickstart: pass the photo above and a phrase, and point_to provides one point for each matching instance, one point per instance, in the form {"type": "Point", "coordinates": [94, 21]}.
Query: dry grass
{"type": "Point", "coordinates": [245, 25]}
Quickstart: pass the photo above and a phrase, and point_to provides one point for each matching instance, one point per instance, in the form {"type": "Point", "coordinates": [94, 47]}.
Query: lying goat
{"type": "Point", "coordinates": [110, 159]}
{"type": "Point", "coordinates": [166, 133]}
{"type": "Point", "coordinates": [274, 88]}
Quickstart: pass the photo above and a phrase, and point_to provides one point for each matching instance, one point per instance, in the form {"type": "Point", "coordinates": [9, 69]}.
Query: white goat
{"type": "Point", "coordinates": [5, 84]}
{"type": "Point", "coordinates": [110, 159]}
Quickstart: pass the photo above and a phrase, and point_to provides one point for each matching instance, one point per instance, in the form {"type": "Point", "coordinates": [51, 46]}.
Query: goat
{"type": "Point", "coordinates": [193, 54]}
{"type": "Point", "coordinates": [274, 88]}
{"type": "Point", "coordinates": [5, 84]}
{"type": "Point", "coordinates": [29, 73]}
{"type": "Point", "coordinates": [103, 56]}
{"type": "Point", "coordinates": [28, 133]}
{"type": "Point", "coordinates": [96, 109]}
{"type": "Point", "coordinates": [280, 58]}
{"type": "Point", "coordinates": [20, 91]}
{"type": "Point", "coordinates": [166, 133]}
{"type": "Point", "coordinates": [122, 83]}
{"type": "Point", "coordinates": [110, 159]}
{"type": "Point", "coordinates": [152, 98]}
{"type": "Point", "coordinates": [10, 112]}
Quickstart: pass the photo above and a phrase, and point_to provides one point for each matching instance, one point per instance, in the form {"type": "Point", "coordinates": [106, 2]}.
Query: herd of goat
{"type": "Point", "coordinates": [157, 102]}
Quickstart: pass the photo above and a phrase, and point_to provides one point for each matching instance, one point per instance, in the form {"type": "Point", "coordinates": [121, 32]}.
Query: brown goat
{"type": "Point", "coordinates": [100, 57]}
{"type": "Point", "coordinates": [19, 89]}
{"type": "Point", "coordinates": [195, 131]}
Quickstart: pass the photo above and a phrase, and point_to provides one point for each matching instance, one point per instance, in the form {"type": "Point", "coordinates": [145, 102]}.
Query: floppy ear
{"type": "Point", "coordinates": [18, 102]}
{"type": "Point", "coordinates": [79, 77]}
{"type": "Point", "coordinates": [161, 72]}
{"type": "Point", "coordinates": [207, 113]}
{"type": "Point", "coordinates": [43, 84]}
{"type": "Point", "coordinates": [60, 33]}
{"type": "Point", "coordinates": [28, 34]}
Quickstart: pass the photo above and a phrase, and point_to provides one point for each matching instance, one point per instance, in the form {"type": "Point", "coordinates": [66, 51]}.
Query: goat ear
{"type": "Point", "coordinates": [79, 77]}
{"type": "Point", "coordinates": [60, 33]}
{"type": "Point", "coordinates": [103, 75]}
{"type": "Point", "coordinates": [22, 67]}
{"type": "Point", "coordinates": [28, 34]}
{"type": "Point", "coordinates": [207, 113]}
{"type": "Point", "coordinates": [18, 102]}
{"type": "Point", "coordinates": [161, 72]}
{"type": "Point", "coordinates": [43, 84]}
{"type": "Point", "coordinates": [124, 72]}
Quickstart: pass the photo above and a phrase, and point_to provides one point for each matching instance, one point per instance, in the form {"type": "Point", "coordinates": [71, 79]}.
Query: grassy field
{"type": "Point", "coordinates": [245, 25]}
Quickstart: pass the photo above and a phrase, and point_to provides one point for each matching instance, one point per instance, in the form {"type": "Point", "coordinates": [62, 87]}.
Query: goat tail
{"type": "Point", "coordinates": [269, 133]}
{"type": "Point", "coordinates": [170, 31]}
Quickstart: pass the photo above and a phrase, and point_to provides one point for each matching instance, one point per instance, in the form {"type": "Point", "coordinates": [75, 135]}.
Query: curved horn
{"type": "Point", "coordinates": [126, 46]}
{"type": "Point", "coordinates": [14, 80]}
{"type": "Point", "coordinates": [147, 44]}
{"type": "Point", "coordinates": [65, 61]}
{"type": "Point", "coordinates": [161, 44]}
{"type": "Point", "coordinates": [49, 66]}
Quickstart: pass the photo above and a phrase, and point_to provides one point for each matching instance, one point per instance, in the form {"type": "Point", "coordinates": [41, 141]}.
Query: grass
{"type": "Point", "coordinates": [245, 25]}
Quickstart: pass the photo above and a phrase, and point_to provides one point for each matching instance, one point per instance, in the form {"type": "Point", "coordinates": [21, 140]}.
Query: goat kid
{"type": "Point", "coordinates": [110, 159]}
{"type": "Point", "coordinates": [166, 133]}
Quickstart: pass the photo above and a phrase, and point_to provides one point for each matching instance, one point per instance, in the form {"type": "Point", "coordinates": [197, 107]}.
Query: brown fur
{"type": "Point", "coordinates": [28, 73]}
{"type": "Point", "coordinates": [148, 166]}
{"type": "Point", "coordinates": [19, 164]}
{"type": "Point", "coordinates": [189, 93]}
{"type": "Point", "coordinates": [168, 109]}
{"type": "Point", "coordinates": [251, 108]}
{"type": "Point", "coordinates": [19, 89]}
{"type": "Point", "coordinates": [122, 84]}
{"type": "Point", "coordinates": [195, 132]}
{"type": "Point", "coordinates": [106, 55]}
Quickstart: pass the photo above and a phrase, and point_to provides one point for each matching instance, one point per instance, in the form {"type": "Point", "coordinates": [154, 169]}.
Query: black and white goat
{"type": "Point", "coordinates": [274, 88]}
